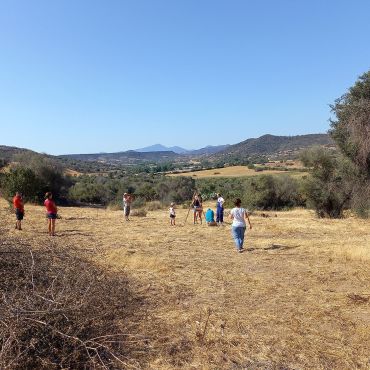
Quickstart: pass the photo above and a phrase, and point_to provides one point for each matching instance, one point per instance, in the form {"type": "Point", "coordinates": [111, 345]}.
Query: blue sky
{"type": "Point", "coordinates": [90, 76]}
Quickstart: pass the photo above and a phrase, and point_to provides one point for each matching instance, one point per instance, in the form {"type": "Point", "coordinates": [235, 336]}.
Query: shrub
{"type": "Point", "coordinates": [269, 192]}
{"type": "Point", "coordinates": [330, 187]}
{"type": "Point", "coordinates": [153, 206]}
{"type": "Point", "coordinates": [88, 193]}
{"type": "Point", "coordinates": [147, 192]}
{"type": "Point", "coordinates": [23, 180]}
{"type": "Point", "coordinates": [3, 163]}
{"type": "Point", "coordinates": [141, 212]}
{"type": "Point", "coordinates": [48, 172]}
{"type": "Point", "coordinates": [263, 192]}
{"type": "Point", "coordinates": [113, 206]}
{"type": "Point", "coordinates": [138, 202]}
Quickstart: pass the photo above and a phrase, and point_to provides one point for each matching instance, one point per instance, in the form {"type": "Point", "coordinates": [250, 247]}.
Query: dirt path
{"type": "Point", "coordinates": [298, 298]}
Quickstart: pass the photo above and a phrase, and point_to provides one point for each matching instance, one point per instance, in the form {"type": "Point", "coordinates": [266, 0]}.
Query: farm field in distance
{"type": "Point", "coordinates": [298, 298]}
{"type": "Point", "coordinates": [236, 171]}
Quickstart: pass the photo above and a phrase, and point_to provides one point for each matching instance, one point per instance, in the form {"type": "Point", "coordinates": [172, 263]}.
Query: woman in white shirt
{"type": "Point", "coordinates": [239, 215]}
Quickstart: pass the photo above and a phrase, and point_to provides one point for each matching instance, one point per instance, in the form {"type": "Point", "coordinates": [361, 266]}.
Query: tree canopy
{"type": "Point", "coordinates": [351, 126]}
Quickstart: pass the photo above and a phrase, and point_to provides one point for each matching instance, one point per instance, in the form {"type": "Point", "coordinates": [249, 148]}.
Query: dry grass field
{"type": "Point", "coordinates": [297, 298]}
{"type": "Point", "coordinates": [234, 171]}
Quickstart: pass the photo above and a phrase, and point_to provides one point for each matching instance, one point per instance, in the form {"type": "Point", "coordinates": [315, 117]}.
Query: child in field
{"type": "Point", "coordinates": [51, 212]}
{"type": "Point", "coordinates": [239, 215]}
{"type": "Point", "coordinates": [210, 218]}
{"type": "Point", "coordinates": [172, 214]}
{"type": "Point", "coordinates": [19, 210]}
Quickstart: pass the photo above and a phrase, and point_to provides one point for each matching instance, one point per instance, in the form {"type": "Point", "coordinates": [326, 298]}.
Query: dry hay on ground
{"type": "Point", "coordinates": [235, 171]}
{"type": "Point", "coordinates": [71, 172]}
{"type": "Point", "coordinates": [296, 299]}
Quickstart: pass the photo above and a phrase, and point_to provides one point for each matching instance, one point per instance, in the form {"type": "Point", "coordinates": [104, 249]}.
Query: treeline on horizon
{"type": "Point", "coordinates": [337, 180]}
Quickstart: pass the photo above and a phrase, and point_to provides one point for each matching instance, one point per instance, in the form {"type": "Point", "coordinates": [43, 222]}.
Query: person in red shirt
{"type": "Point", "coordinates": [19, 210]}
{"type": "Point", "coordinates": [51, 212]}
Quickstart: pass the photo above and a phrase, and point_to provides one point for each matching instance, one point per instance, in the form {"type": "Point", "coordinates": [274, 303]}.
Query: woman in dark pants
{"type": "Point", "coordinates": [220, 209]}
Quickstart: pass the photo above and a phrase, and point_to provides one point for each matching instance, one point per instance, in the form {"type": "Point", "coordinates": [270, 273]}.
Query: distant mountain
{"type": "Point", "coordinates": [267, 145]}
{"type": "Point", "coordinates": [208, 150]}
{"type": "Point", "coordinates": [162, 148]}
{"type": "Point", "coordinates": [176, 149]}
{"type": "Point", "coordinates": [274, 145]}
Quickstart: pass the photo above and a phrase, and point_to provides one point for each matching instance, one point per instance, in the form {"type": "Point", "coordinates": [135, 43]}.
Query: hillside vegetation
{"type": "Point", "coordinates": [275, 146]}
{"type": "Point", "coordinates": [128, 157]}
{"type": "Point", "coordinates": [9, 152]}
{"type": "Point", "coordinates": [247, 152]}
{"type": "Point", "coordinates": [298, 298]}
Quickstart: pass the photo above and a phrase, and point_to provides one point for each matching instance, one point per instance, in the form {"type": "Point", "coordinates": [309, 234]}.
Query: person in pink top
{"type": "Point", "coordinates": [51, 212]}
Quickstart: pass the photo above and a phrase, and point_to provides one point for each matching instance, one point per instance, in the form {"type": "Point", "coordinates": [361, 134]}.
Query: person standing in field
{"type": "Point", "coordinates": [127, 200]}
{"type": "Point", "coordinates": [19, 210]}
{"type": "Point", "coordinates": [197, 205]}
{"type": "Point", "coordinates": [172, 214]}
{"type": "Point", "coordinates": [220, 209]}
{"type": "Point", "coordinates": [51, 212]}
{"type": "Point", "coordinates": [239, 216]}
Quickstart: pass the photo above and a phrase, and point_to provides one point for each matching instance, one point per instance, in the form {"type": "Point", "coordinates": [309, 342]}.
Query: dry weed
{"type": "Point", "coordinates": [296, 299]}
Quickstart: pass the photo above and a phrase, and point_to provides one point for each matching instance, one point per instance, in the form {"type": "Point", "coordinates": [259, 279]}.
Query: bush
{"type": "Point", "coordinates": [23, 180]}
{"type": "Point", "coordinates": [153, 206]}
{"type": "Point", "coordinates": [141, 212]}
{"type": "Point", "coordinates": [269, 192]}
{"type": "Point", "coordinates": [113, 206]}
{"type": "Point", "coordinates": [48, 172]}
{"type": "Point", "coordinates": [88, 193]}
{"type": "Point", "coordinates": [330, 187]}
{"type": "Point", "coordinates": [138, 202]}
{"type": "Point", "coordinates": [3, 163]}
{"type": "Point", "coordinates": [262, 192]}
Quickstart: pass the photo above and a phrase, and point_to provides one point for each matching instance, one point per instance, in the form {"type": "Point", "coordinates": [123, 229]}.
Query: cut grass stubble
{"type": "Point", "coordinates": [297, 298]}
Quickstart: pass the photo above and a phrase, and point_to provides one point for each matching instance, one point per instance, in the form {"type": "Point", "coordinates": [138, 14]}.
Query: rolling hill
{"type": "Point", "coordinates": [271, 145]}
{"type": "Point", "coordinates": [267, 145]}
{"type": "Point", "coordinates": [8, 152]}
{"type": "Point", "coordinates": [210, 149]}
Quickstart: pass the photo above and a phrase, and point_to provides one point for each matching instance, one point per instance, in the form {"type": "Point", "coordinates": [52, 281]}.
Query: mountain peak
{"type": "Point", "coordinates": [162, 148]}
